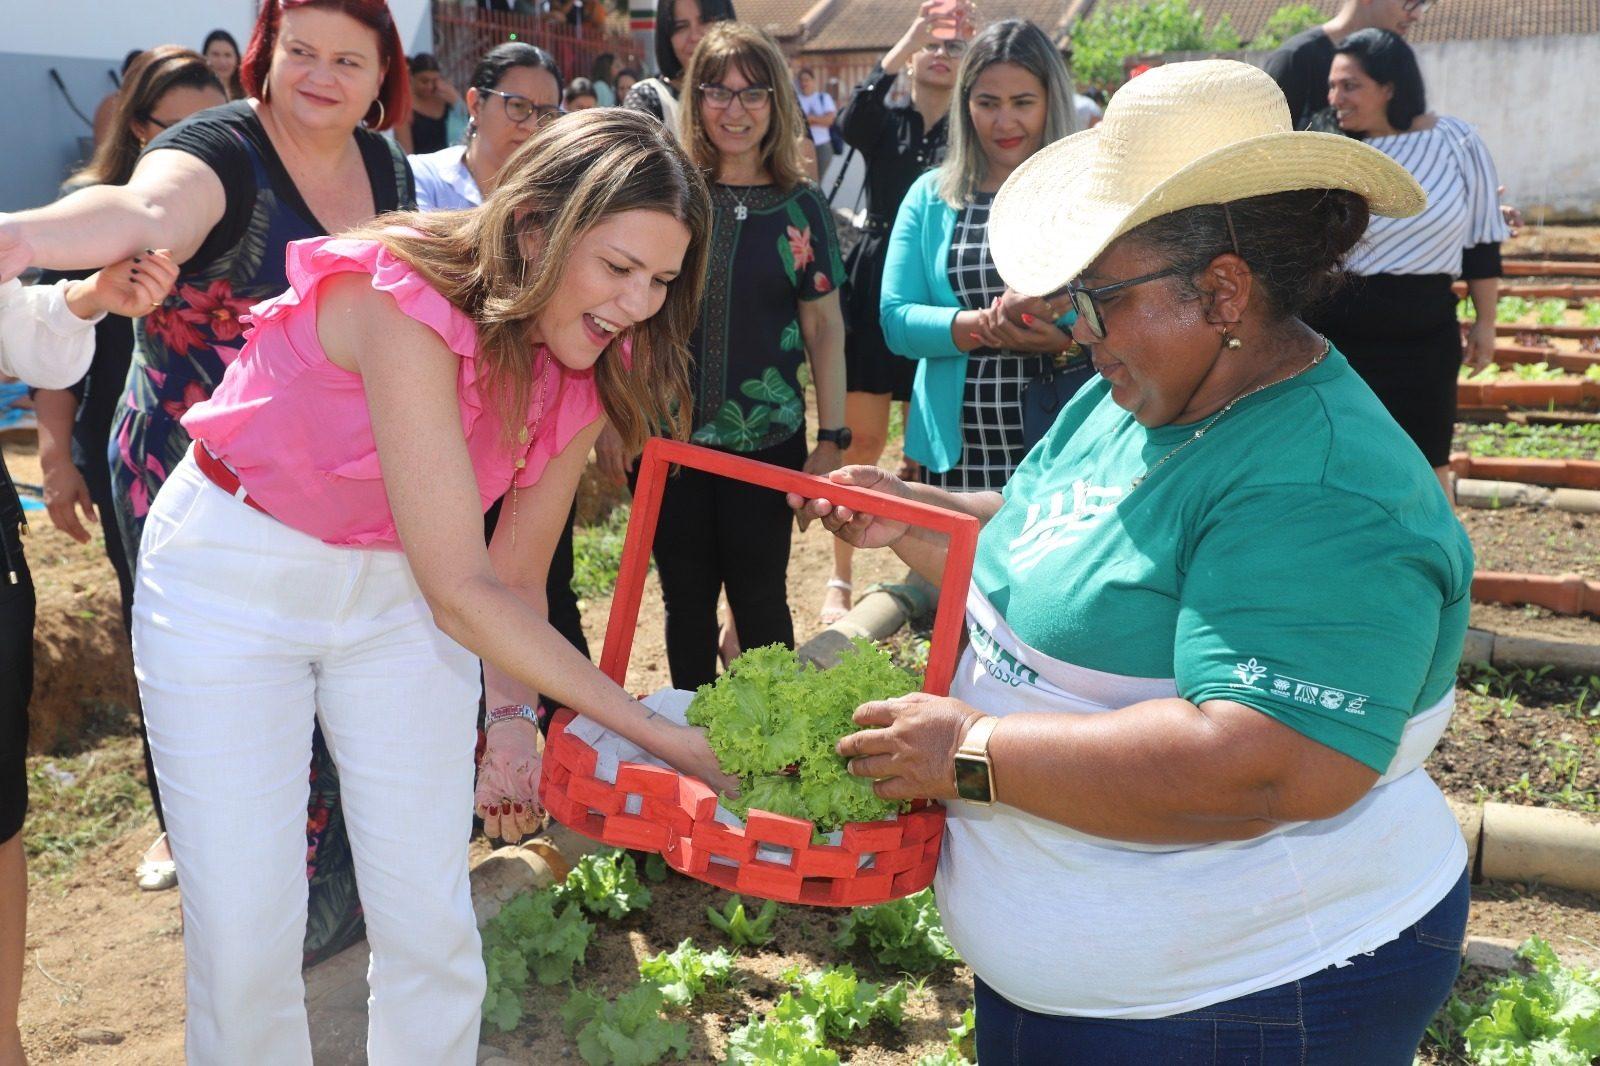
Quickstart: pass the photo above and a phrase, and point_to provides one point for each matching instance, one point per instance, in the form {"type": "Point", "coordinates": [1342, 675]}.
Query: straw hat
{"type": "Point", "coordinates": [1204, 132]}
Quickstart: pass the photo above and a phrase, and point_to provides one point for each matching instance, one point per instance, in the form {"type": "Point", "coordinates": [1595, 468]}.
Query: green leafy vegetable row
{"type": "Point", "coordinates": [1547, 1017]}
{"type": "Point", "coordinates": [774, 721]}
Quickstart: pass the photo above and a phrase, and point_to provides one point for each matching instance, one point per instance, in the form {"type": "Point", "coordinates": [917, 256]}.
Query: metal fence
{"type": "Point", "coordinates": [462, 34]}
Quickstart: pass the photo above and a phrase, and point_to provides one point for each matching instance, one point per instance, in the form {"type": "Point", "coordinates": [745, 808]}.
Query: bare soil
{"type": "Point", "coordinates": [1534, 540]}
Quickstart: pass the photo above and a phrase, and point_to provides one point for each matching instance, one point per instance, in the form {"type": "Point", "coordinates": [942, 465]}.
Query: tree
{"type": "Point", "coordinates": [1115, 31]}
{"type": "Point", "coordinates": [1285, 22]}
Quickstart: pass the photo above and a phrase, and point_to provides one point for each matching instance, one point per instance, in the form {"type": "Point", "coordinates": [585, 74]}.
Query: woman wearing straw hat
{"type": "Point", "coordinates": [1188, 820]}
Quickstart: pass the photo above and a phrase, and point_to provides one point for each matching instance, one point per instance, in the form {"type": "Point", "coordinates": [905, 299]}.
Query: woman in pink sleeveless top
{"type": "Point", "coordinates": [319, 554]}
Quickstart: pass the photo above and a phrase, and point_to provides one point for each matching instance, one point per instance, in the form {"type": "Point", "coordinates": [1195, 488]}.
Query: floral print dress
{"type": "Point", "coordinates": [770, 249]}
{"type": "Point", "coordinates": [181, 350]}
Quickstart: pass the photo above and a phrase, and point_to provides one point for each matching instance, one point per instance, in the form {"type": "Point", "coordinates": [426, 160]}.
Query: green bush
{"type": "Point", "coordinates": [1285, 22]}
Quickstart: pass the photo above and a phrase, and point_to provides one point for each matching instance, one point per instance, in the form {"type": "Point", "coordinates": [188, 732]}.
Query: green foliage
{"type": "Point", "coordinates": [1540, 371]}
{"type": "Point", "coordinates": [1512, 308]}
{"type": "Point", "coordinates": [1549, 1017]}
{"type": "Point", "coordinates": [597, 553]}
{"type": "Point", "coordinates": [763, 1042]}
{"type": "Point", "coordinates": [833, 1004]}
{"type": "Point", "coordinates": [1592, 372]}
{"type": "Point", "coordinates": [1591, 312]}
{"type": "Point", "coordinates": [1513, 440]}
{"type": "Point", "coordinates": [1488, 373]}
{"type": "Point", "coordinates": [605, 883]}
{"type": "Point", "coordinates": [903, 934]}
{"type": "Point", "coordinates": [742, 929]}
{"type": "Point", "coordinates": [655, 867]}
{"type": "Point", "coordinates": [626, 1031]}
{"type": "Point", "coordinates": [774, 721]}
{"type": "Point", "coordinates": [80, 804]}
{"type": "Point", "coordinates": [686, 972]}
{"type": "Point", "coordinates": [1551, 312]}
{"type": "Point", "coordinates": [529, 938]}
{"type": "Point", "coordinates": [1287, 21]}
{"type": "Point", "coordinates": [1466, 311]}
{"type": "Point", "coordinates": [1115, 31]}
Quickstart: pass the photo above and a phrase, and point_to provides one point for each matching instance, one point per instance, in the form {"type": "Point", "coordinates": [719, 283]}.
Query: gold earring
{"type": "Point", "coordinates": [381, 115]}
{"type": "Point", "coordinates": [1229, 341]}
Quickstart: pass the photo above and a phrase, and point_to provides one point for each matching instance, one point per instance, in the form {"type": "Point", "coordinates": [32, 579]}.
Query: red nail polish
{"type": "Point", "coordinates": [517, 808]}
{"type": "Point", "coordinates": [1027, 319]}
{"type": "Point", "coordinates": [494, 810]}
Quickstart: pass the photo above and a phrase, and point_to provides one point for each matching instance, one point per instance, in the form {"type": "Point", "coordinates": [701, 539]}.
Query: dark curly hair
{"type": "Point", "coordinates": [1295, 243]}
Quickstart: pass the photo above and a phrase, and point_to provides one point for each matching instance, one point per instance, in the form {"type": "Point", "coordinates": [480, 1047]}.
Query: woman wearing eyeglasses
{"type": "Point", "coordinates": [941, 292]}
{"type": "Point", "coordinates": [771, 299]}
{"type": "Point", "coordinates": [1188, 819]}
{"type": "Point", "coordinates": [227, 192]}
{"type": "Point", "coordinates": [515, 90]}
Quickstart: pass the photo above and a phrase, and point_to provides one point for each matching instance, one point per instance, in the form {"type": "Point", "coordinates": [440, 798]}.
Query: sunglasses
{"type": "Point", "coordinates": [1418, 7]}
{"type": "Point", "coordinates": [753, 97]}
{"type": "Point", "coordinates": [1086, 301]}
{"type": "Point", "coordinates": [520, 109]}
{"type": "Point", "coordinates": [953, 49]}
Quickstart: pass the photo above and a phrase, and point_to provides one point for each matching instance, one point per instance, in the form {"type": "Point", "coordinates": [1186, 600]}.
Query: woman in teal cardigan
{"type": "Point", "coordinates": [940, 288]}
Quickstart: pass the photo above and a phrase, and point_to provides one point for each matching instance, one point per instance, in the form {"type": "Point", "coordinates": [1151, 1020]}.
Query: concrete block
{"type": "Point", "coordinates": [1469, 816]}
{"type": "Point", "coordinates": [1540, 844]}
{"type": "Point", "coordinates": [1471, 492]}
{"type": "Point", "coordinates": [1491, 952]}
{"type": "Point", "coordinates": [1578, 501]}
{"type": "Point", "coordinates": [1478, 647]}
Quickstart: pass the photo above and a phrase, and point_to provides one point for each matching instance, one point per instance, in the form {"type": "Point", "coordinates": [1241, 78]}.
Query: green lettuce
{"type": "Point", "coordinates": [774, 721]}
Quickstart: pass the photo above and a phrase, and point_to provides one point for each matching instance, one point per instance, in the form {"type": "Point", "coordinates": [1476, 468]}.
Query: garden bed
{"type": "Point", "coordinates": [1534, 540]}
{"type": "Point", "coordinates": [802, 938]}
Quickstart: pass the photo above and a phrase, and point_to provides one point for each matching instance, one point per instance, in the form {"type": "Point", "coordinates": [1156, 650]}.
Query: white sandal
{"type": "Point", "coordinates": [825, 616]}
{"type": "Point", "coordinates": [157, 875]}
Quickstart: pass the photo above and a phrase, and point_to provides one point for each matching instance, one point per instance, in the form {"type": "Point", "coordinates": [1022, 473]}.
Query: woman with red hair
{"type": "Point", "coordinates": [227, 190]}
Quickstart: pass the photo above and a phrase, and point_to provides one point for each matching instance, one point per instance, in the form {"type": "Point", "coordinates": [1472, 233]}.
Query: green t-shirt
{"type": "Point", "coordinates": [1298, 558]}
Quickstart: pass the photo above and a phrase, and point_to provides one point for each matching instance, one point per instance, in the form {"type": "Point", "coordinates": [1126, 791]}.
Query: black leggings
{"type": "Point", "coordinates": [716, 533]}
{"type": "Point", "coordinates": [16, 687]}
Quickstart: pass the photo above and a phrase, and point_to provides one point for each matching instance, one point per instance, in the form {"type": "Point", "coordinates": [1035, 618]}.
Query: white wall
{"type": "Point", "coordinates": [83, 40]}
{"type": "Point", "coordinates": [106, 29]}
{"type": "Point", "coordinates": [1533, 100]}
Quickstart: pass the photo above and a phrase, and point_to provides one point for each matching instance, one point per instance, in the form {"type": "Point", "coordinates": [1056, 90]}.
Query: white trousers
{"type": "Point", "coordinates": [244, 630]}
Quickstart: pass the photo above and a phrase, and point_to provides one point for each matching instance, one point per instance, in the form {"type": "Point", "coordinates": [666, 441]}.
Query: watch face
{"type": "Point", "coordinates": [972, 779]}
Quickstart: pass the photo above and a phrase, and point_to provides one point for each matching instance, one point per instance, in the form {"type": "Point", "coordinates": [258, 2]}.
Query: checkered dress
{"type": "Point", "coordinates": [991, 404]}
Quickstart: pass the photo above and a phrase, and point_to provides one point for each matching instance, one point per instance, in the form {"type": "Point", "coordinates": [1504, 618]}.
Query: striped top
{"type": "Point", "coordinates": [1453, 166]}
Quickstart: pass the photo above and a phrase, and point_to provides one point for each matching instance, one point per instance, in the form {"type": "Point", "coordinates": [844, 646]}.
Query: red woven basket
{"type": "Point", "coordinates": [650, 808]}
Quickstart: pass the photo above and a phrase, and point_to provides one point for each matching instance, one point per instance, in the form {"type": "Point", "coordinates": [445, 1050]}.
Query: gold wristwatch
{"type": "Point", "coordinates": [974, 771]}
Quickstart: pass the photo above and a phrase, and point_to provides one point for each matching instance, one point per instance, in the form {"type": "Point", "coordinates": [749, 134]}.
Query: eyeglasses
{"type": "Point", "coordinates": [158, 124]}
{"type": "Point", "coordinates": [520, 109]}
{"type": "Point", "coordinates": [1086, 302]}
{"type": "Point", "coordinates": [1418, 7]}
{"type": "Point", "coordinates": [754, 97]}
{"type": "Point", "coordinates": [955, 49]}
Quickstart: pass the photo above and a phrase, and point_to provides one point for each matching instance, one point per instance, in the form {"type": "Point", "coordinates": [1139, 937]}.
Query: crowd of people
{"type": "Point", "coordinates": [316, 331]}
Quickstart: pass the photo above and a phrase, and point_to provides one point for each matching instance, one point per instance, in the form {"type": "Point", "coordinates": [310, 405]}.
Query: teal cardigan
{"type": "Point", "coordinates": [917, 308]}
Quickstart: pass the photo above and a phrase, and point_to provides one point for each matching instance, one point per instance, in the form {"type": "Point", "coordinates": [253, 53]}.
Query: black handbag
{"type": "Point", "coordinates": [1048, 391]}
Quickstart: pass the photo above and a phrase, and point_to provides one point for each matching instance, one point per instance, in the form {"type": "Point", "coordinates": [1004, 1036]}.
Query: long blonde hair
{"type": "Point", "coordinates": [1009, 41]}
{"type": "Point", "coordinates": [737, 44]}
{"type": "Point", "coordinates": [572, 175]}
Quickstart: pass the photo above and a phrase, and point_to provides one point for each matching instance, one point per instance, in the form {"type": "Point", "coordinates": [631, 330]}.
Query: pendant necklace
{"type": "Point", "coordinates": [525, 438]}
{"type": "Point", "coordinates": [1327, 346]}
{"type": "Point", "coordinates": [740, 211]}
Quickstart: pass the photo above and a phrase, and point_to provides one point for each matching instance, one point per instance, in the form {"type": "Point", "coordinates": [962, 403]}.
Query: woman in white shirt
{"type": "Point", "coordinates": [1396, 321]}
{"type": "Point", "coordinates": [515, 90]}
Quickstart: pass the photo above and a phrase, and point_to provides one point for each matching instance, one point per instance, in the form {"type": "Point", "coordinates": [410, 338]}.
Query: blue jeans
{"type": "Point", "coordinates": [1369, 1013]}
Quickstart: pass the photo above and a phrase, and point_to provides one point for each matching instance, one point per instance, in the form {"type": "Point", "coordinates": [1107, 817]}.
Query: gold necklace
{"type": "Point", "coordinates": [525, 437]}
{"type": "Point", "coordinates": [1327, 346]}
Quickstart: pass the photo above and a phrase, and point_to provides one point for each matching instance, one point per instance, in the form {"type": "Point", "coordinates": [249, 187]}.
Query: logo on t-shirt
{"type": "Point", "coordinates": [1045, 531]}
{"type": "Point", "coordinates": [1001, 664]}
{"type": "Point", "coordinates": [1293, 690]}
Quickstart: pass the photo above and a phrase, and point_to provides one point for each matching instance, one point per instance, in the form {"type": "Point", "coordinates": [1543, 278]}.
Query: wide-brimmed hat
{"type": "Point", "coordinates": [1205, 132]}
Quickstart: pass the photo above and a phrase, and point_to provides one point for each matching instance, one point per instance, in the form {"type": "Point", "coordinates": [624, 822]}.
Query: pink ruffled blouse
{"type": "Point", "coordinates": [296, 429]}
